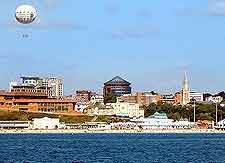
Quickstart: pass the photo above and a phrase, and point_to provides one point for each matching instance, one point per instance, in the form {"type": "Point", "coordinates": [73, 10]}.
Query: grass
{"type": "Point", "coordinates": [26, 116]}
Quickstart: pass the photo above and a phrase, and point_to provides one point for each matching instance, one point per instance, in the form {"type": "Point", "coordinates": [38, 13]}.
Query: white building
{"type": "Point", "coordinates": [125, 109]}
{"type": "Point", "coordinates": [214, 99]}
{"type": "Point", "coordinates": [46, 123]}
{"type": "Point", "coordinates": [161, 121]}
{"type": "Point", "coordinates": [197, 96]}
{"type": "Point", "coordinates": [29, 80]}
{"type": "Point", "coordinates": [220, 125]}
{"type": "Point", "coordinates": [97, 99]}
{"type": "Point", "coordinates": [55, 85]}
{"type": "Point", "coordinates": [80, 106]}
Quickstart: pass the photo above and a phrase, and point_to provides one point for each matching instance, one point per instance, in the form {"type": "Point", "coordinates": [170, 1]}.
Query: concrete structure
{"type": "Point", "coordinates": [126, 109]}
{"type": "Point", "coordinates": [185, 93]}
{"type": "Point", "coordinates": [117, 86]}
{"type": "Point", "coordinates": [161, 121]}
{"type": "Point", "coordinates": [45, 123]}
{"type": "Point", "coordinates": [197, 96]}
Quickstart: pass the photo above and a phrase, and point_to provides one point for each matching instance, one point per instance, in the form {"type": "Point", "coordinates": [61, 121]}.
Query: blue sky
{"type": "Point", "coordinates": [87, 42]}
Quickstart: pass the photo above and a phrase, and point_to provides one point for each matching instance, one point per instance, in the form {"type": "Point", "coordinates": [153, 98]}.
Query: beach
{"type": "Point", "coordinates": [82, 131]}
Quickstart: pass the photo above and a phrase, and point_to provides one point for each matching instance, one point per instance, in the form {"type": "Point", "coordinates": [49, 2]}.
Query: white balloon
{"type": "Point", "coordinates": [25, 14]}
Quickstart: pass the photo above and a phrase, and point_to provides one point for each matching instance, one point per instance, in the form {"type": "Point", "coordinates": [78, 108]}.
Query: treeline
{"type": "Point", "coordinates": [202, 111]}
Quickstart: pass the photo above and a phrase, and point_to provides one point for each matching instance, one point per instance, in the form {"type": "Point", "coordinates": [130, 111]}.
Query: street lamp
{"type": "Point", "coordinates": [193, 100]}
{"type": "Point", "coordinates": [216, 111]}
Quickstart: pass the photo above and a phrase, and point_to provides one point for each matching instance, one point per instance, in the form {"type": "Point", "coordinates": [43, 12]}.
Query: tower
{"type": "Point", "coordinates": [185, 91]}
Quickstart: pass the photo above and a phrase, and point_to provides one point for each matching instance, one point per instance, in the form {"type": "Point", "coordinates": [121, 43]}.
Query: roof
{"type": "Point", "coordinates": [30, 78]}
{"type": "Point", "coordinates": [158, 115]}
{"type": "Point", "coordinates": [117, 81]}
{"type": "Point", "coordinates": [39, 101]}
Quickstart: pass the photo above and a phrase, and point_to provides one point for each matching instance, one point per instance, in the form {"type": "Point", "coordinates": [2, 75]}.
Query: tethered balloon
{"type": "Point", "coordinates": [25, 14]}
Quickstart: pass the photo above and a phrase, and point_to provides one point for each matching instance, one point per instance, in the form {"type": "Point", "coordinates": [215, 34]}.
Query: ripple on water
{"type": "Point", "coordinates": [170, 148]}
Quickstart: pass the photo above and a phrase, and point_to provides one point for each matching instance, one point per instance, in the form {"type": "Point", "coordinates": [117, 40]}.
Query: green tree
{"type": "Point", "coordinates": [110, 98]}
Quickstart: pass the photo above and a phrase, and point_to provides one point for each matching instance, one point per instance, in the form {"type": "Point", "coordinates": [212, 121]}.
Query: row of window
{"type": "Point", "coordinates": [53, 104]}
{"type": "Point", "coordinates": [52, 110]}
{"type": "Point", "coordinates": [28, 90]}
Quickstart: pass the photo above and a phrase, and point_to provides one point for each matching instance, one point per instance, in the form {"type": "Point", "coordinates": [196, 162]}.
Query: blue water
{"type": "Point", "coordinates": [166, 148]}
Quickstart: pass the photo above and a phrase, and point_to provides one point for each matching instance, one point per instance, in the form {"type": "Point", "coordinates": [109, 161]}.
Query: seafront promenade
{"type": "Point", "coordinates": [82, 131]}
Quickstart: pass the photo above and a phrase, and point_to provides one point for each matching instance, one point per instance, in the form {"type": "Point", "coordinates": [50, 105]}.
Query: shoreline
{"type": "Point", "coordinates": [122, 131]}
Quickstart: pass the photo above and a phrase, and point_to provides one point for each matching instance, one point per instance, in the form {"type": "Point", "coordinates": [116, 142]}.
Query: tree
{"type": "Point", "coordinates": [110, 98]}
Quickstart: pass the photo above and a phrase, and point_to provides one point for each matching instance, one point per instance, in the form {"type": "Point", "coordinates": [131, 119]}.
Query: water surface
{"type": "Point", "coordinates": [157, 148]}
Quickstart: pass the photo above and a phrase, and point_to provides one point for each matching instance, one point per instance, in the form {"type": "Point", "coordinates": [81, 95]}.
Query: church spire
{"type": "Point", "coordinates": [185, 91]}
{"type": "Point", "coordinates": [185, 82]}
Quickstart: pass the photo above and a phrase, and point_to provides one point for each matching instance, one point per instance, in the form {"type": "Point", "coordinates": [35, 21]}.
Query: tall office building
{"type": "Point", "coordinates": [185, 92]}
{"type": "Point", "coordinates": [52, 87]}
{"type": "Point", "coordinates": [55, 85]}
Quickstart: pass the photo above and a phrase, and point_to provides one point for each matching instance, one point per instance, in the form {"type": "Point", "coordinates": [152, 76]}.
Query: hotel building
{"type": "Point", "coordinates": [53, 87]}
{"type": "Point", "coordinates": [125, 109]}
{"type": "Point", "coordinates": [36, 102]}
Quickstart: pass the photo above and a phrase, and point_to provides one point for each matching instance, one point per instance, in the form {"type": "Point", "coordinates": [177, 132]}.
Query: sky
{"type": "Point", "coordinates": [87, 42]}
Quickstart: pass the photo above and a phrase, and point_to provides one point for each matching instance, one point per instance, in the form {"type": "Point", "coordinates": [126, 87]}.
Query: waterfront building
{"type": "Point", "coordinates": [89, 125]}
{"type": "Point", "coordinates": [14, 124]}
{"type": "Point", "coordinates": [36, 102]}
{"type": "Point", "coordinates": [220, 125]}
{"type": "Point", "coordinates": [185, 91]}
{"type": "Point", "coordinates": [117, 86]}
{"type": "Point", "coordinates": [124, 109]}
{"type": "Point", "coordinates": [161, 121]}
{"type": "Point", "coordinates": [197, 96]}
{"type": "Point", "coordinates": [45, 123]}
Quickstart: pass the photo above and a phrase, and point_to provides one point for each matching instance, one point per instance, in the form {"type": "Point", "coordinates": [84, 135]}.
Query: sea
{"type": "Point", "coordinates": [112, 148]}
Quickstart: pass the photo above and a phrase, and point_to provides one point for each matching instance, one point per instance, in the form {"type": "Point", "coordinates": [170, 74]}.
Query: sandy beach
{"type": "Point", "coordinates": [80, 131]}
